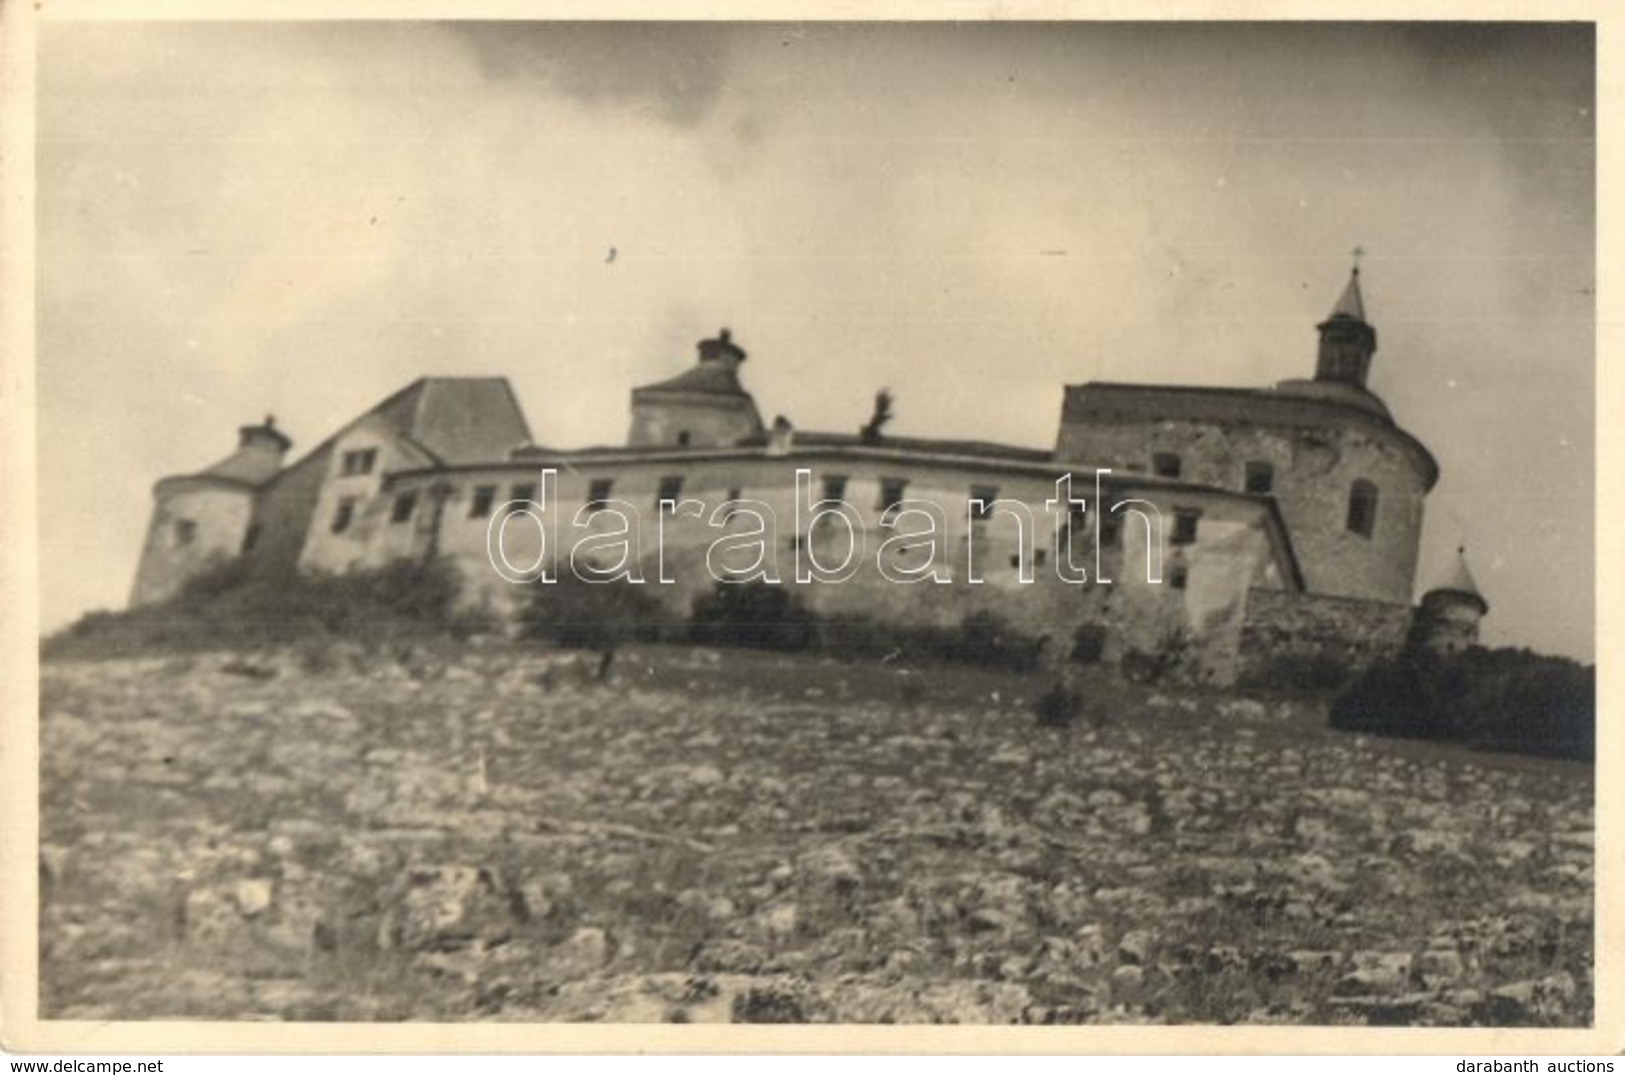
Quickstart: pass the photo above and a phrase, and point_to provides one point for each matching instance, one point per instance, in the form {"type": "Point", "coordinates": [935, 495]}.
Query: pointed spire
{"type": "Point", "coordinates": [1350, 303]}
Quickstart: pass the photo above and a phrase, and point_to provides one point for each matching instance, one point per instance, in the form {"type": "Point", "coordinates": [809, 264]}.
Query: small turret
{"type": "Point", "coordinates": [1448, 617]}
{"type": "Point", "coordinates": [1347, 340]}
{"type": "Point", "coordinates": [259, 453]}
{"type": "Point", "coordinates": [721, 349]}
{"type": "Point", "coordinates": [207, 517]}
{"type": "Point", "coordinates": [705, 406]}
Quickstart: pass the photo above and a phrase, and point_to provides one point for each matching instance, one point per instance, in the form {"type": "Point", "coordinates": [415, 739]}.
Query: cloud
{"type": "Point", "coordinates": [674, 71]}
{"type": "Point", "coordinates": [301, 217]}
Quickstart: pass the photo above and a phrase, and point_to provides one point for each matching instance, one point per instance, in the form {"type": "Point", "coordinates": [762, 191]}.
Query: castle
{"type": "Point", "coordinates": [1248, 524]}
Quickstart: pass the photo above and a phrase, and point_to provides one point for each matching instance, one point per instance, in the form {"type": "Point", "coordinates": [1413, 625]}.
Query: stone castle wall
{"type": "Point", "coordinates": [1343, 631]}
{"type": "Point", "coordinates": [1314, 470]}
{"type": "Point", "coordinates": [1232, 554]}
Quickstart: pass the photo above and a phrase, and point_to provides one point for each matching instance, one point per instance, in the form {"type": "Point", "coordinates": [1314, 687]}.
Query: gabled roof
{"type": "Point", "coordinates": [465, 419]}
{"type": "Point", "coordinates": [455, 419]}
{"type": "Point", "coordinates": [452, 420]}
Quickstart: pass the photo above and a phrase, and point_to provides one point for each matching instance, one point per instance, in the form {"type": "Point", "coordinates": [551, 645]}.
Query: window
{"type": "Point", "coordinates": [344, 514]}
{"type": "Point", "coordinates": [523, 492]}
{"type": "Point", "coordinates": [683, 438]}
{"type": "Point", "coordinates": [1185, 525]}
{"type": "Point", "coordinates": [986, 494]}
{"type": "Point", "coordinates": [671, 488]}
{"type": "Point", "coordinates": [1179, 576]}
{"type": "Point", "coordinates": [480, 506]}
{"type": "Point", "coordinates": [402, 510]}
{"type": "Point", "coordinates": [891, 493]}
{"type": "Point", "coordinates": [598, 491]}
{"type": "Point", "coordinates": [185, 531]}
{"type": "Point", "coordinates": [251, 538]}
{"type": "Point", "coordinates": [360, 461]}
{"type": "Point", "coordinates": [1260, 477]}
{"type": "Point", "coordinates": [734, 494]}
{"type": "Point", "coordinates": [1362, 518]}
{"type": "Point", "coordinates": [835, 487]}
{"type": "Point", "coordinates": [1165, 465]}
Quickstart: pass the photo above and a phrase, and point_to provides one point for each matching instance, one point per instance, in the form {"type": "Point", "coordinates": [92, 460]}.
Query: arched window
{"type": "Point", "coordinates": [1362, 518]}
{"type": "Point", "coordinates": [1259, 477]}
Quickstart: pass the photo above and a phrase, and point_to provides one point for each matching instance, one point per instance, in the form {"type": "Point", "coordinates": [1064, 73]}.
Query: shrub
{"type": "Point", "coordinates": [238, 605]}
{"type": "Point", "coordinates": [987, 639]}
{"type": "Point", "coordinates": [1089, 644]}
{"type": "Point", "coordinates": [577, 614]}
{"type": "Point", "coordinates": [856, 637]}
{"type": "Point", "coordinates": [1057, 707]}
{"type": "Point", "coordinates": [981, 638]}
{"type": "Point", "coordinates": [1501, 699]}
{"type": "Point", "coordinates": [764, 616]}
{"type": "Point", "coordinates": [1164, 660]}
{"type": "Point", "coordinates": [1301, 673]}
{"type": "Point", "coordinates": [757, 615]}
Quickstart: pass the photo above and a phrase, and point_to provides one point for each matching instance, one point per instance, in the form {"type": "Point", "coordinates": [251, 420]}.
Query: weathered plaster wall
{"type": "Point", "coordinates": [282, 511]}
{"type": "Point", "coordinates": [217, 515]}
{"type": "Point", "coordinates": [1315, 468]}
{"type": "Point", "coordinates": [371, 538]}
{"type": "Point", "coordinates": [1232, 553]}
{"type": "Point", "coordinates": [708, 420]}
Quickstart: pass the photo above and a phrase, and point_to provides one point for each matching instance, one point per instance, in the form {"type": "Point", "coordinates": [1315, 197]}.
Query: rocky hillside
{"type": "Point", "coordinates": [494, 834]}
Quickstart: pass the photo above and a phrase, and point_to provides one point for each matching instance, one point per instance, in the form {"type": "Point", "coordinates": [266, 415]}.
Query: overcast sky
{"type": "Point", "coordinates": [242, 218]}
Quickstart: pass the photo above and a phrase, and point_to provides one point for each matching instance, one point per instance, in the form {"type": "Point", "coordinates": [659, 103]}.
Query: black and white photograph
{"type": "Point", "coordinates": [999, 523]}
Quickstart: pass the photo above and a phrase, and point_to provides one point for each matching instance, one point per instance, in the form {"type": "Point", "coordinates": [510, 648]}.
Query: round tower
{"type": "Point", "coordinates": [205, 518]}
{"type": "Point", "coordinates": [703, 407]}
{"type": "Point", "coordinates": [1354, 483]}
{"type": "Point", "coordinates": [1448, 616]}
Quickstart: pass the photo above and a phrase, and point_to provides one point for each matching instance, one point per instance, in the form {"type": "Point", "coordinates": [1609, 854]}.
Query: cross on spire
{"type": "Point", "coordinates": [1358, 252]}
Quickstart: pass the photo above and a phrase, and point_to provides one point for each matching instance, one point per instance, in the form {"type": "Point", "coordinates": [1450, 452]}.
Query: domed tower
{"type": "Point", "coordinates": [1448, 617]}
{"type": "Point", "coordinates": [1356, 483]}
{"type": "Point", "coordinates": [705, 406]}
{"type": "Point", "coordinates": [205, 518]}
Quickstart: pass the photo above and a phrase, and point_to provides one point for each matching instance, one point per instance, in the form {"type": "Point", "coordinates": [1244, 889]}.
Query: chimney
{"type": "Point", "coordinates": [722, 349]}
{"type": "Point", "coordinates": [264, 437]}
{"type": "Point", "coordinates": [781, 436]}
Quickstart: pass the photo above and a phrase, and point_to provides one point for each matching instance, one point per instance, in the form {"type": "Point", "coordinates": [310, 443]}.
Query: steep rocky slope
{"type": "Point", "coordinates": [493, 834]}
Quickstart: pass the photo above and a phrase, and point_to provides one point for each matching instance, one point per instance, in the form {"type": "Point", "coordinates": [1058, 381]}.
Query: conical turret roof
{"type": "Point", "coordinates": [1350, 303]}
{"type": "Point", "coordinates": [1457, 579]}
